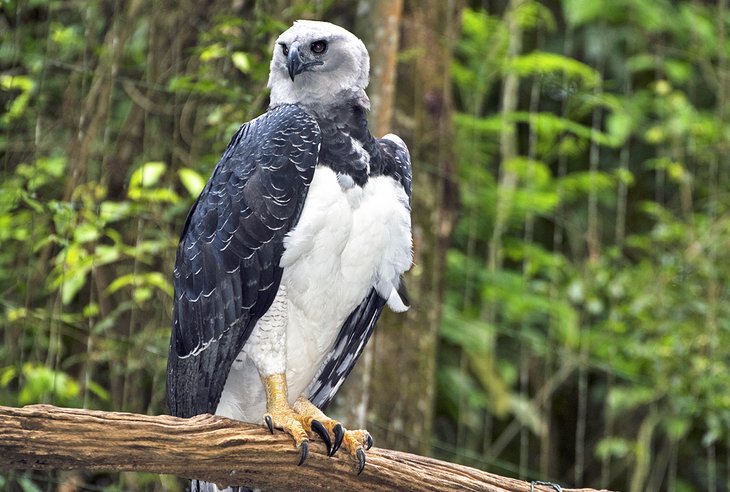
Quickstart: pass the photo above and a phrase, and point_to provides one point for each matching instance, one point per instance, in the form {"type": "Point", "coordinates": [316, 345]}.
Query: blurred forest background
{"type": "Point", "coordinates": [571, 316]}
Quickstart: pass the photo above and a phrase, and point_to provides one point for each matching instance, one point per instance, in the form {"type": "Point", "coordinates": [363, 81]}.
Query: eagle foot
{"type": "Point", "coordinates": [330, 431]}
{"type": "Point", "coordinates": [334, 435]}
{"type": "Point", "coordinates": [285, 419]}
{"type": "Point", "coordinates": [357, 442]}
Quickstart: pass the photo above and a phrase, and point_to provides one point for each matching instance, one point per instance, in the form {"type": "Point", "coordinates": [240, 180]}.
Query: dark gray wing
{"type": "Point", "coordinates": [227, 268]}
{"type": "Point", "coordinates": [390, 157]}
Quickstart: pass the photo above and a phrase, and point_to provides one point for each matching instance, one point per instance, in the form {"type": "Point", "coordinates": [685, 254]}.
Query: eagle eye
{"type": "Point", "coordinates": [284, 49]}
{"type": "Point", "coordinates": [318, 47]}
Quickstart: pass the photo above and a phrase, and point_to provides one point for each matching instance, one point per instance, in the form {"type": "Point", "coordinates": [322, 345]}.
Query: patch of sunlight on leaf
{"type": "Point", "coordinates": [580, 183]}
{"type": "Point", "coordinates": [613, 447]}
{"type": "Point", "coordinates": [535, 174]}
{"type": "Point", "coordinates": [142, 280]}
{"type": "Point", "coordinates": [619, 126]}
{"type": "Point", "coordinates": [554, 124]}
{"type": "Point", "coordinates": [476, 25]}
{"type": "Point", "coordinates": [7, 374]}
{"type": "Point", "coordinates": [212, 52]}
{"type": "Point", "coordinates": [85, 233]}
{"type": "Point", "coordinates": [91, 310]}
{"type": "Point", "coordinates": [678, 71]}
{"type": "Point", "coordinates": [622, 399]}
{"type": "Point", "coordinates": [61, 34]}
{"type": "Point", "coordinates": [676, 427]}
{"type": "Point", "coordinates": [16, 83]}
{"type": "Point", "coordinates": [147, 175]}
{"type": "Point", "coordinates": [192, 181]}
{"type": "Point", "coordinates": [70, 286]}
{"type": "Point", "coordinates": [541, 62]}
{"type": "Point", "coordinates": [624, 176]}
{"type": "Point", "coordinates": [98, 391]}
{"type": "Point", "coordinates": [156, 195]}
{"type": "Point", "coordinates": [579, 12]}
{"type": "Point", "coordinates": [142, 295]}
{"type": "Point", "coordinates": [642, 62]}
{"type": "Point", "coordinates": [43, 384]}
{"type": "Point", "coordinates": [45, 170]}
{"type": "Point", "coordinates": [241, 61]}
{"type": "Point", "coordinates": [15, 314]}
{"type": "Point", "coordinates": [532, 14]}
{"type": "Point", "coordinates": [529, 416]}
{"type": "Point", "coordinates": [105, 254]}
{"type": "Point", "coordinates": [114, 211]}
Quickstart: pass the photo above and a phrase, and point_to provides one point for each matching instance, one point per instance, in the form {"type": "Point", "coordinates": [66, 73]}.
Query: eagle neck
{"type": "Point", "coordinates": [348, 147]}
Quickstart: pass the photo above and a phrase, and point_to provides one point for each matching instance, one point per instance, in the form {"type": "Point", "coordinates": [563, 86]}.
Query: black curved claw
{"type": "Point", "coordinates": [339, 434]}
{"type": "Point", "coordinates": [369, 442]}
{"type": "Point", "coordinates": [305, 452]}
{"type": "Point", "coordinates": [361, 459]}
{"type": "Point", "coordinates": [322, 432]}
{"type": "Point", "coordinates": [269, 423]}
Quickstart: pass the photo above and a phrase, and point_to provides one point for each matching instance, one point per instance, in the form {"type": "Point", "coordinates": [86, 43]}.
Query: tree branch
{"type": "Point", "coordinates": [215, 449]}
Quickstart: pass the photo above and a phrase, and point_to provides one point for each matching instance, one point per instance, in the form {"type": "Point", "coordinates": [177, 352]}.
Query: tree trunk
{"type": "Point", "coordinates": [217, 450]}
{"type": "Point", "coordinates": [405, 347]}
{"type": "Point", "coordinates": [394, 382]}
{"type": "Point", "coordinates": [382, 43]}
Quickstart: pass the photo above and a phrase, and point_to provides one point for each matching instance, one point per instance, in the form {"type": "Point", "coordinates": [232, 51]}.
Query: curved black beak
{"type": "Point", "coordinates": [296, 63]}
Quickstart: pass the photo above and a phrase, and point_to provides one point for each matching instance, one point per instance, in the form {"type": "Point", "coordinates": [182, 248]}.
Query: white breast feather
{"type": "Point", "coordinates": [346, 242]}
{"type": "Point", "coordinates": [339, 250]}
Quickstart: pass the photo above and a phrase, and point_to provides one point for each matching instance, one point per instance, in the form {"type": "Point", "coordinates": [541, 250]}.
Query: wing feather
{"type": "Point", "coordinates": [227, 268]}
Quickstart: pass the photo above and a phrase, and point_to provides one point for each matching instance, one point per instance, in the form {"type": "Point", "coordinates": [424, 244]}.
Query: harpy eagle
{"type": "Point", "coordinates": [294, 247]}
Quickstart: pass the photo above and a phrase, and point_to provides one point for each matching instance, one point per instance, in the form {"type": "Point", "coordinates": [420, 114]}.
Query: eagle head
{"type": "Point", "coordinates": [315, 62]}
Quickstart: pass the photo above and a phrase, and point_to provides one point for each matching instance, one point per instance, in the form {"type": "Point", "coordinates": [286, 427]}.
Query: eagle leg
{"type": "Point", "coordinates": [355, 441]}
{"type": "Point", "coordinates": [280, 415]}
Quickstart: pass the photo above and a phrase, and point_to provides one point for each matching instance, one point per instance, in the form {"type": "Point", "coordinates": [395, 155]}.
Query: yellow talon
{"type": "Point", "coordinates": [303, 419]}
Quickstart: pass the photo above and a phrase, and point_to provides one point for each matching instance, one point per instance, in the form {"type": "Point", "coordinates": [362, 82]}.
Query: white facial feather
{"type": "Point", "coordinates": [345, 66]}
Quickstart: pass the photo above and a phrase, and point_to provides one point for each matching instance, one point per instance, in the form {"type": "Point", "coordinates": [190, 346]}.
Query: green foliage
{"type": "Point", "coordinates": [600, 249]}
{"type": "Point", "coordinates": [639, 136]}
{"type": "Point", "coordinates": [112, 115]}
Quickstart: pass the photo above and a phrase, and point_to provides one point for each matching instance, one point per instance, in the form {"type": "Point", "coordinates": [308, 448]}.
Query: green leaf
{"type": "Point", "coordinates": [192, 181]}
{"type": "Point", "coordinates": [7, 375]}
{"type": "Point", "coordinates": [613, 447]}
{"type": "Point", "coordinates": [212, 52]}
{"type": "Point", "coordinates": [147, 175]}
{"type": "Point", "coordinates": [158, 195]}
{"type": "Point", "coordinates": [98, 391]}
{"type": "Point", "coordinates": [43, 384]}
{"type": "Point", "coordinates": [16, 83]}
{"type": "Point", "coordinates": [85, 233]}
{"type": "Point", "coordinates": [622, 399]}
{"type": "Point", "coordinates": [540, 62]}
{"type": "Point", "coordinates": [241, 61]}
{"type": "Point", "coordinates": [114, 211]}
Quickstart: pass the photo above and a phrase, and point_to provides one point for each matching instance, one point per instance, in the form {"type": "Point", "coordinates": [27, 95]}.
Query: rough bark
{"type": "Point", "coordinates": [215, 449]}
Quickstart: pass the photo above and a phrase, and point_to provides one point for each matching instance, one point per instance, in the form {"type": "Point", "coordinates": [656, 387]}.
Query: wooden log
{"type": "Point", "coordinates": [218, 450]}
